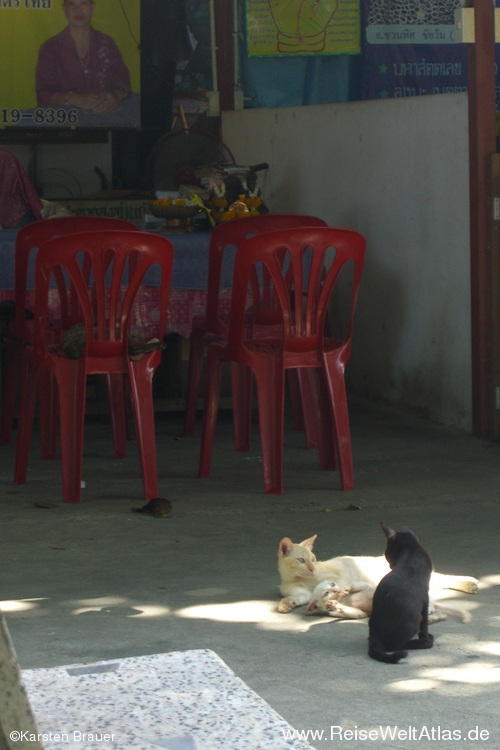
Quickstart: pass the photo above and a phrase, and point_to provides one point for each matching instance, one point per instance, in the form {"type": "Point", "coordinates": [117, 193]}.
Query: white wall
{"type": "Point", "coordinates": [66, 170]}
{"type": "Point", "coordinates": [397, 171]}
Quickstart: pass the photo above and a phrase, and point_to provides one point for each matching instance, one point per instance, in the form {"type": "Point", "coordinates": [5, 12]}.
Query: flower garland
{"type": "Point", "coordinates": [239, 209]}
{"type": "Point", "coordinates": [248, 203]}
{"type": "Point", "coordinates": [170, 201]}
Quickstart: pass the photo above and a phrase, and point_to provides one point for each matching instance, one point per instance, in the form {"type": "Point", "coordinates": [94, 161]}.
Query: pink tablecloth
{"type": "Point", "coordinates": [182, 306]}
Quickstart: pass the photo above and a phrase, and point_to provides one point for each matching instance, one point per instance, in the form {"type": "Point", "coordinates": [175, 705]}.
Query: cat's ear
{"type": "Point", "coordinates": [387, 531]}
{"type": "Point", "coordinates": [309, 543]}
{"type": "Point", "coordinates": [407, 530]}
{"type": "Point", "coordinates": [312, 607]}
{"type": "Point", "coordinates": [286, 547]}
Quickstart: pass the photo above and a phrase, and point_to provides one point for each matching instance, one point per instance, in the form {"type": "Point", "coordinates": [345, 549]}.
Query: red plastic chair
{"type": "Point", "coordinates": [104, 271]}
{"type": "Point", "coordinates": [20, 331]}
{"type": "Point", "coordinates": [303, 264]}
{"type": "Point", "coordinates": [225, 239]}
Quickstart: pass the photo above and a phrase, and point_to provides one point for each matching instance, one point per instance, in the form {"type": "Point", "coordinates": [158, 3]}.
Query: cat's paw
{"type": "Point", "coordinates": [287, 604]}
{"type": "Point", "coordinates": [346, 592]}
{"type": "Point", "coordinates": [436, 617]}
{"type": "Point", "coordinates": [468, 585]}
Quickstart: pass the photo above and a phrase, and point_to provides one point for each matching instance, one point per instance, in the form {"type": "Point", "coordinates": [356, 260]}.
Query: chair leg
{"type": "Point", "coordinates": [309, 398]}
{"type": "Point", "coordinates": [270, 379]}
{"type": "Point", "coordinates": [48, 413]}
{"type": "Point", "coordinates": [117, 406]}
{"type": "Point", "coordinates": [13, 360]}
{"type": "Point", "coordinates": [128, 415]}
{"type": "Point", "coordinates": [195, 365]}
{"type": "Point", "coordinates": [29, 383]}
{"type": "Point", "coordinates": [296, 399]}
{"type": "Point", "coordinates": [304, 404]}
{"type": "Point", "coordinates": [340, 431]}
{"type": "Point", "coordinates": [211, 407]}
{"type": "Point", "coordinates": [72, 391]}
{"type": "Point", "coordinates": [141, 391]}
{"type": "Point", "coordinates": [241, 392]}
{"type": "Point", "coordinates": [327, 436]}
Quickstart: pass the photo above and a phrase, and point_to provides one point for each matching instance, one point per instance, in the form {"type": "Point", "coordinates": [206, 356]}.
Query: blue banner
{"type": "Point", "coordinates": [409, 49]}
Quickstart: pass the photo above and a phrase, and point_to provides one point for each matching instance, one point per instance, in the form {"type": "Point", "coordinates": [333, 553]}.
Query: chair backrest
{"type": "Point", "coordinates": [295, 270]}
{"type": "Point", "coordinates": [29, 239]}
{"type": "Point", "coordinates": [104, 271]}
{"type": "Point", "coordinates": [231, 235]}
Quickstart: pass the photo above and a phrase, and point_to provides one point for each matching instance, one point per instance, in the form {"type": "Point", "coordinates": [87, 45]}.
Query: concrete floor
{"type": "Point", "coordinates": [96, 581]}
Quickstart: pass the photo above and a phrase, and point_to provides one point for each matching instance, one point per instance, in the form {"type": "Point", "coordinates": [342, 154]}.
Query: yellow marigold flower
{"type": "Point", "coordinates": [253, 202]}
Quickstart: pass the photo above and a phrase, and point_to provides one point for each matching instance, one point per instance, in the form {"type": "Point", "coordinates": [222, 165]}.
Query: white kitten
{"type": "Point", "coordinates": [355, 603]}
{"type": "Point", "coordinates": [351, 603]}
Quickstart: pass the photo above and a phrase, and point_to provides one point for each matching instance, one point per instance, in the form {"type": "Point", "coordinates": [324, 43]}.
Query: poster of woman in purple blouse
{"type": "Point", "coordinates": [82, 68]}
{"type": "Point", "coordinates": [79, 66]}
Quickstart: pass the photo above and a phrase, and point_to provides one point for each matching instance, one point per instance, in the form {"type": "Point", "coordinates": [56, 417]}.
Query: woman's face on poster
{"type": "Point", "coordinates": [78, 12]}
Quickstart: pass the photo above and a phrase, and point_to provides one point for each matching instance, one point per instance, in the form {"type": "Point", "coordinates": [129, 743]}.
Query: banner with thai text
{"type": "Point", "coordinates": [410, 49]}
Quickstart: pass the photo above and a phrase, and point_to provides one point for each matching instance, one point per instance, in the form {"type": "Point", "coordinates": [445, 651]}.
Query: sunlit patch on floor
{"type": "Point", "coordinates": [487, 647]}
{"type": "Point", "coordinates": [413, 686]}
{"type": "Point", "coordinates": [476, 674]}
{"type": "Point", "coordinates": [19, 605]}
{"type": "Point", "coordinates": [247, 611]}
{"type": "Point", "coordinates": [487, 582]}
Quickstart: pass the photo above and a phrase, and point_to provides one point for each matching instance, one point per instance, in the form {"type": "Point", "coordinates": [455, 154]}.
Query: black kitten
{"type": "Point", "coordinates": [401, 599]}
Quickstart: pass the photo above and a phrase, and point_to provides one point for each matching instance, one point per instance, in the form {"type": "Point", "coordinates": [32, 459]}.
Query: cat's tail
{"type": "Point", "coordinates": [378, 652]}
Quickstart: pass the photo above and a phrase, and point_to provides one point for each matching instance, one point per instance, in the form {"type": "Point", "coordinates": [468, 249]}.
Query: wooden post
{"type": "Point", "coordinates": [223, 10]}
{"type": "Point", "coordinates": [494, 221]}
{"type": "Point", "coordinates": [482, 144]}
